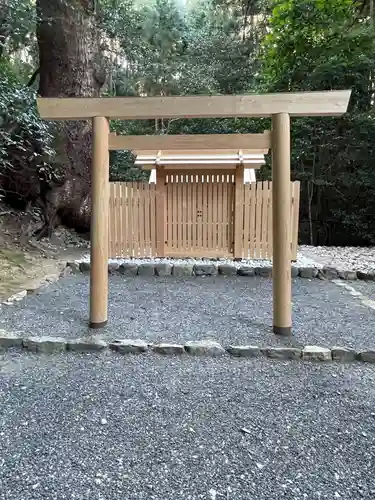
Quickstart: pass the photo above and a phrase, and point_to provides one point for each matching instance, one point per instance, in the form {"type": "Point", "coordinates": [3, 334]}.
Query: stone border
{"type": "Point", "coordinates": [193, 348]}
{"type": "Point", "coordinates": [189, 270]}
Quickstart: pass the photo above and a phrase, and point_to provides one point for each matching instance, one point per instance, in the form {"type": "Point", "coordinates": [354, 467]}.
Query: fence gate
{"type": "Point", "coordinates": [199, 216]}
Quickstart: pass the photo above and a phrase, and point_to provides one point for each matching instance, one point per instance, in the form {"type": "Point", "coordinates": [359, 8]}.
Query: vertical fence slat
{"type": "Point", "coordinates": [264, 229]}
{"type": "Point", "coordinates": [246, 225]}
{"type": "Point", "coordinates": [269, 229]}
{"type": "Point", "coordinates": [258, 220]}
{"type": "Point", "coordinates": [295, 217]}
{"type": "Point", "coordinates": [210, 229]}
{"type": "Point", "coordinates": [252, 208]}
{"type": "Point", "coordinates": [120, 251]}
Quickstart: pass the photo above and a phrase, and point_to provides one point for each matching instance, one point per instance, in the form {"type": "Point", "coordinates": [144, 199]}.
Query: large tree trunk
{"type": "Point", "coordinates": [70, 66]}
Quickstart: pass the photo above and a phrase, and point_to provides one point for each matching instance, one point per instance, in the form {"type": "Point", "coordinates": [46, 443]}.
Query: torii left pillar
{"type": "Point", "coordinates": [99, 223]}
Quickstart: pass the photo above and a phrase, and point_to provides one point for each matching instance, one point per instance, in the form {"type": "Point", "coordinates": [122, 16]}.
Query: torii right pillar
{"type": "Point", "coordinates": [281, 226]}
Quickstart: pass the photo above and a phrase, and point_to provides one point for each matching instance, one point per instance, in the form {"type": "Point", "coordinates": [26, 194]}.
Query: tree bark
{"type": "Point", "coordinates": [70, 66]}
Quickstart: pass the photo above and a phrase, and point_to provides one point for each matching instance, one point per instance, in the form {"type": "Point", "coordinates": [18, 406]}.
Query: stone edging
{"type": "Point", "coordinates": [188, 270]}
{"type": "Point", "coordinates": [194, 348]}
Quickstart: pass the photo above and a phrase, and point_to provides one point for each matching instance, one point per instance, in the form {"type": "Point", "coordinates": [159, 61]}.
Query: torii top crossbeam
{"type": "Point", "coordinates": [328, 103]}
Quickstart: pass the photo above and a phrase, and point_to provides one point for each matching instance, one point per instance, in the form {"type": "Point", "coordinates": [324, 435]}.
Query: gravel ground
{"type": "Point", "coordinates": [343, 258]}
{"type": "Point", "coordinates": [107, 428]}
{"type": "Point", "coordinates": [231, 310]}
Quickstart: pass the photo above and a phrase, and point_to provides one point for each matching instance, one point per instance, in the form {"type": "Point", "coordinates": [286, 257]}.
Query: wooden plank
{"type": "Point", "coordinates": [199, 167]}
{"type": "Point", "coordinates": [194, 242]}
{"type": "Point", "coordinates": [253, 208]}
{"type": "Point", "coordinates": [130, 219]}
{"type": "Point", "coordinates": [238, 212]}
{"type": "Point", "coordinates": [246, 230]}
{"type": "Point", "coordinates": [192, 144]}
{"type": "Point", "coordinates": [174, 215]}
{"type": "Point", "coordinates": [179, 243]}
{"type": "Point", "coordinates": [210, 229]}
{"type": "Point", "coordinates": [321, 103]}
{"type": "Point", "coordinates": [199, 216]}
{"type": "Point", "coordinates": [215, 209]}
{"type": "Point", "coordinates": [161, 211]}
{"type": "Point", "coordinates": [141, 220]}
{"type": "Point", "coordinates": [193, 153]}
{"type": "Point", "coordinates": [153, 219]}
{"type": "Point", "coordinates": [199, 253]}
{"type": "Point", "coordinates": [112, 212]}
{"type": "Point", "coordinates": [264, 217]}
{"type": "Point", "coordinates": [296, 187]}
{"type": "Point", "coordinates": [205, 219]}
{"type": "Point", "coordinates": [270, 232]}
{"type": "Point", "coordinates": [184, 214]}
{"type": "Point", "coordinates": [224, 231]}
{"type": "Point", "coordinates": [258, 220]}
{"type": "Point", "coordinates": [117, 220]}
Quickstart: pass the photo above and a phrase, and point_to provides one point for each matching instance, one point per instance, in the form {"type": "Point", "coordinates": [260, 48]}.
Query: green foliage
{"type": "Point", "coordinates": [325, 45]}
{"type": "Point", "coordinates": [24, 138]}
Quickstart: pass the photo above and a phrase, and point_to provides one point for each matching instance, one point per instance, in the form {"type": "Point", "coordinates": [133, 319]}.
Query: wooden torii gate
{"type": "Point", "coordinates": [280, 107]}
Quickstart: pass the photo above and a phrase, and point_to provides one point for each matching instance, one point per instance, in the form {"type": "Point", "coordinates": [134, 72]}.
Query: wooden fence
{"type": "Point", "coordinates": [199, 219]}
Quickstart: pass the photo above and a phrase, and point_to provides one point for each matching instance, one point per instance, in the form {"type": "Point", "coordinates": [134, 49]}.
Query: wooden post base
{"type": "Point", "coordinates": [97, 326]}
{"type": "Point", "coordinates": [283, 331]}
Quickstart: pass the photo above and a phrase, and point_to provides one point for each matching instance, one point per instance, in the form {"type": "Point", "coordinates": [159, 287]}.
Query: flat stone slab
{"type": "Point", "coordinates": [182, 271]}
{"type": "Point", "coordinates": [316, 353]}
{"type": "Point", "coordinates": [9, 339]}
{"type": "Point", "coordinates": [308, 272]}
{"type": "Point", "coordinates": [330, 273]}
{"type": "Point", "coordinates": [113, 267]}
{"type": "Point", "coordinates": [205, 270]}
{"type": "Point", "coordinates": [128, 269]}
{"type": "Point", "coordinates": [367, 356]}
{"type": "Point", "coordinates": [45, 344]}
{"type": "Point", "coordinates": [74, 267]}
{"type": "Point", "coordinates": [264, 272]}
{"type": "Point", "coordinates": [128, 346]}
{"type": "Point", "coordinates": [282, 352]}
{"type": "Point", "coordinates": [163, 269]}
{"type": "Point", "coordinates": [246, 271]}
{"type": "Point", "coordinates": [146, 270]}
{"type": "Point", "coordinates": [84, 267]}
{"type": "Point", "coordinates": [164, 348]}
{"type": "Point", "coordinates": [244, 351]}
{"type": "Point", "coordinates": [86, 345]}
{"type": "Point", "coordinates": [227, 270]}
{"type": "Point", "coordinates": [348, 275]}
{"type": "Point", "coordinates": [294, 272]}
{"type": "Point", "coordinates": [343, 354]}
{"type": "Point", "coordinates": [204, 347]}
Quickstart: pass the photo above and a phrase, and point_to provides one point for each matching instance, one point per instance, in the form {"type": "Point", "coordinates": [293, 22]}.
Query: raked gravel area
{"type": "Point", "coordinates": [97, 427]}
{"type": "Point", "coordinates": [230, 310]}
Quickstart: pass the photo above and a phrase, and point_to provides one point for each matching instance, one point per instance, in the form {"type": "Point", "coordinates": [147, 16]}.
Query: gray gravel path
{"type": "Point", "coordinates": [232, 310]}
{"type": "Point", "coordinates": [139, 427]}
